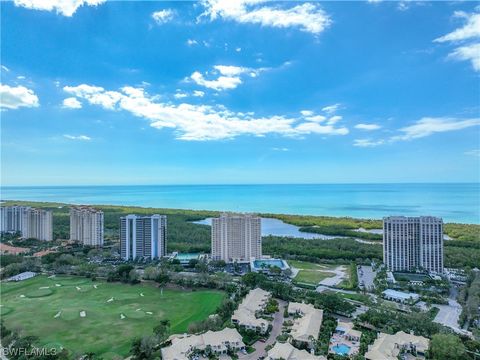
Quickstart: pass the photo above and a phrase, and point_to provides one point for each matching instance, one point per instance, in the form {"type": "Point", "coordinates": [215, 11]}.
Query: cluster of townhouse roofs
{"type": "Point", "coordinates": [304, 322]}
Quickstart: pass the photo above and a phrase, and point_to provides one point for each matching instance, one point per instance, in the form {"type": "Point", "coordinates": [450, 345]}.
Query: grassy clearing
{"type": "Point", "coordinates": [311, 273]}
{"type": "Point", "coordinates": [39, 307]}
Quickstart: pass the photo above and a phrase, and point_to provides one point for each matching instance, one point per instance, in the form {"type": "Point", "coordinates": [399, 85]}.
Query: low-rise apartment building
{"type": "Point", "coordinates": [246, 316]}
{"type": "Point", "coordinates": [285, 351]}
{"type": "Point", "coordinates": [389, 347]}
{"type": "Point", "coordinates": [216, 342]}
{"type": "Point", "coordinates": [307, 325]}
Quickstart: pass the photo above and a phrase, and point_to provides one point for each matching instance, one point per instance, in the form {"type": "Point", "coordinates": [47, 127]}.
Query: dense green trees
{"type": "Point", "coordinates": [446, 347]}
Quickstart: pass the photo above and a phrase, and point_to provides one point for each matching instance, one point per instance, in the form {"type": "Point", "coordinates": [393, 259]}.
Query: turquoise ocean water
{"type": "Point", "coordinates": [453, 202]}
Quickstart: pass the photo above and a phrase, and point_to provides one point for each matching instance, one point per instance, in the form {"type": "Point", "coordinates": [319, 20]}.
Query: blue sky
{"type": "Point", "coordinates": [215, 92]}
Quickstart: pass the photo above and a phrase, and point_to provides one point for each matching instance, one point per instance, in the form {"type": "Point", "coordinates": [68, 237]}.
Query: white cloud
{"type": "Point", "coordinates": [367, 142]}
{"type": "Point", "coordinates": [21, 77]}
{"type": "Point", "coordinates": [316, 128]}
{"type": "Point", "coordinates": [470, 32]}
{"type": "Point", "coordinates": [367, 127]}
{"type": "Point", "coordinates": [63, 7]}
{"type": "Point", "coordinates": [18, 96]}
{"type": "Point", "coordinates": [198, 93]}
{"type": "Point", "coordinates": [95, 95]}
{"type": "Point", "coordinates": [238, 49]}
{"type": "Point", "coordinates": [72, 103]}
{"type": "Point", "coordinates": [469, 53]}
{"type": "Point", "coordinates": [316, 118]}
{"type": "Point", "coordinates": [198, 122]}
{"type": "Point", "coordinates": [306, 112]}
{"type": "Point", "coordinates": [5, 68]}
{"type": "Point", "coordinates": [180, 95]}
{"type": "Point", "coordinates": [427, 126]}
{"type": "Point", "coordinates": [475, 152]}
{"type": "Point", "coordinates": [163, 16]}
{"type": "Point", "coordinates": [77, 137]}
{"type": "Point", "coordinates": [228, 76]}
{"type": "Point", "coordinates": [331, 109]}
{"type": "Point", "coordinates": [334, 120]}
{"type": "Point", "coordinates": [191, 42]}
{"type": "Point", "coordinates": [280, 149]}
{"type": "Point", "coordinates": [307, 17]}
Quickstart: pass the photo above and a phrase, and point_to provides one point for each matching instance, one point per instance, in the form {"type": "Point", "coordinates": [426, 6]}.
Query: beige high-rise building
{"type": "Point", "coordinates": [411, 243]}
{"type": "Point", "coordinates": [236, 237]}
{"type": "Point", "coordinates": [86, 225]}
{"type": "Point", "coordinates": [30, 222]}
{"type": "Point", "coordinates": [38, 225]}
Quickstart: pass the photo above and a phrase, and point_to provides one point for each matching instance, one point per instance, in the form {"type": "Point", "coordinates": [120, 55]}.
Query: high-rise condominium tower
{"type": "Point", "coordinates": [236, 237]}
{"type": "Point", "coordinates": [30, 222]}
{"type": "Point", "coordinates": [411, 243]}
{"type": "Point", "coordinates": [143, 236]}
{"type": "Point", "coordinates": [86, 225]}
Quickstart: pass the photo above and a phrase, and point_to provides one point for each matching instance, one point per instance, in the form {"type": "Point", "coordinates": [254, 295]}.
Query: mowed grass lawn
{"type": "Point", "coordinates": [40, 307]}
{"type": "Point", "coordinates": [311, 273]}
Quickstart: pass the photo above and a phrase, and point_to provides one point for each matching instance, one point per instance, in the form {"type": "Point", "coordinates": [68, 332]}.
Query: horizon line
{"type": "Point", "coordinates": [251, 184]}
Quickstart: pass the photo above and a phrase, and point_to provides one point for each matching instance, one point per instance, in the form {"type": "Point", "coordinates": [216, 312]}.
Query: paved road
{"type": "Point", "coordinates": [276, 330]}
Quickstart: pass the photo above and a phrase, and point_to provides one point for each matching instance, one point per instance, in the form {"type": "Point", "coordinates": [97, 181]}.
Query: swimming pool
{"type": "Point", "coordinates": [264, 264]}
{"type": "Point", "coordinates": [341, 349]}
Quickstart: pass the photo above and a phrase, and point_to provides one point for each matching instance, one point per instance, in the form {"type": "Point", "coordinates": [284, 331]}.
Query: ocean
{"type": "Point", "coordinates": [454, 202]}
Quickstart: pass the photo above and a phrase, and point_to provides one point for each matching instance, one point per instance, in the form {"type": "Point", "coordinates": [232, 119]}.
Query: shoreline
{"type": "Point", "coordinates": [279, 216]}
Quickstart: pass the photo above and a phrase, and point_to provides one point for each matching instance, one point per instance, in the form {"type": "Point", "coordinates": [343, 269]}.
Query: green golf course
{"type": "Point", "coordinates": [100, 317]}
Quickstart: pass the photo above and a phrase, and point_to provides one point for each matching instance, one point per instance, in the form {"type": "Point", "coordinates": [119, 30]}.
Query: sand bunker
{"type": "Point", "coordinates": [58, 285]}
{"type": "Point", "coordinates": [95, 286]}
{"type": "Point", "coordinates": [138, 309]}
{"type": "Point", "coordinates": [78, 288]}
{"type": "Point", "coordinates": [149, 312]}
{"type": "Point", "coordinates": [83, 313]}
{"type": "Point", "coordinates": [110, 300]}
{"type": "Point", "coordinates": [44, 287]}
{"type": "Point", "coordinates": [141, 294]}
{"type": "Point", "coordinates": [22, 296]}
{"type": "Point", "coordinates": [122, 316]}
{"type": "Point", "coordinates": [58, 314]}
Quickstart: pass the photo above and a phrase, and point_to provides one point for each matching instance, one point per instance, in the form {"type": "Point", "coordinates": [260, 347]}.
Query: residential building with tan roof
{"type": "Point", "coordinates": [306, 327]}
{"type": "Point", "coordinates": [251, 307]}
{"type": "Point", "coordinates": [218, 342]}
{"type": "Point", "coordinates": [388, 347]}
{"type": "Point", "coordinates": [285, 351]}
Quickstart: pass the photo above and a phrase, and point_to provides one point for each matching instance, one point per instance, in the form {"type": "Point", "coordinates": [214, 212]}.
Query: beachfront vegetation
{"type": "Point", "coordinates": [185, 236]}
{"type": "Point", "coordinates": [114, 313]}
